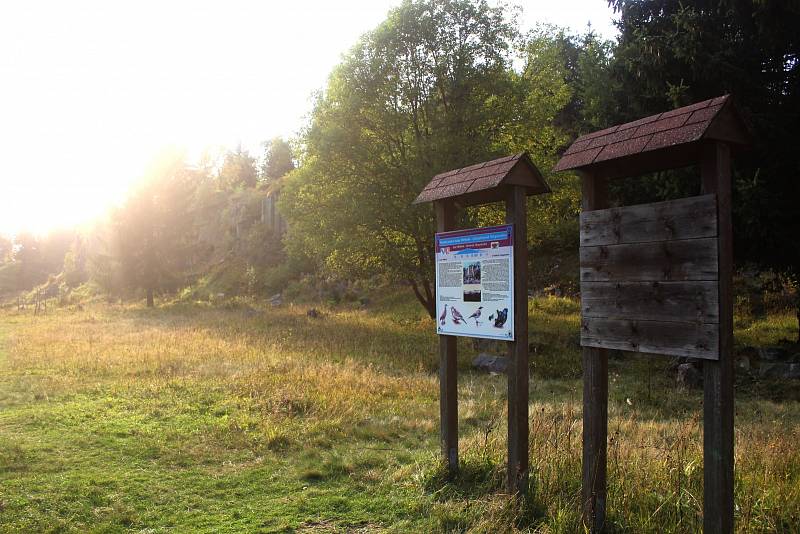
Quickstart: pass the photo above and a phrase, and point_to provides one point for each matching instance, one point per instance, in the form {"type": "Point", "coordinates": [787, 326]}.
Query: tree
{"type": "Point", "coordinates": [6, 247]}
{"type": "Point", "coordinates": [28, 255]}
{"type": "Point", "coordinates": [277, 159]}
{"type": "Point", "coordinates": [431, 89]}
{"type": "Point", "coordinates": [75, 272]}
{"type": "Point", "coordinates": [674, 53]}
{"type": "Point", "coordinates": [238, 170]}
{"type": "Point", "coordinates": [153, 228]}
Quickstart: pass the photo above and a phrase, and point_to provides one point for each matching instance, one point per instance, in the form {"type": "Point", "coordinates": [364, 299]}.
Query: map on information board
{"type": "Point", "coordinates": [475, 283]}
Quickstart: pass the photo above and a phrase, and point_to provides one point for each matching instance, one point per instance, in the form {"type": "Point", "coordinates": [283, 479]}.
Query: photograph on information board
{"type": "Point", "coordinates": [474, 283]}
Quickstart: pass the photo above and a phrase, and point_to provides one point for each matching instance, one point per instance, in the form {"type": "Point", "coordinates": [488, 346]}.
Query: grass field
{"type": "Point", "coordinates": [243, 418]}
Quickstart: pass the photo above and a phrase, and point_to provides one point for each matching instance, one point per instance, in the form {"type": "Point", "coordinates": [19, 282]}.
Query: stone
{"type": "Point", "coordinates": [276, 300]}
{"type": "Point", "coordinates": [490, 363]}
{"type": "Point", "coordinates": [773, 354]}
{"type": "Point", "coordinates": [790, 371]}
{"type": "Point", "coordinates": [489, 346]}
{"type": "Point", "coordinates": [689, 375]}
{"type": "Point", "coordinates": [743, 362]}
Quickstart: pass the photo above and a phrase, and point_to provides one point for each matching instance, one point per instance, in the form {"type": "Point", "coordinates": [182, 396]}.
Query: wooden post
{"type": "Point", "coordinates": [516, 214]}
{"type": "Point", "coordinates": [595, 396]}
{"type": "Point", "coordinates": [718, 400]}
{"type": "Point", "coordinates": [448, 363]}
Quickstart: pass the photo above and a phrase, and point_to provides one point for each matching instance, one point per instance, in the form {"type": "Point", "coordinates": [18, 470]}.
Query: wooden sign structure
{"type": "Point", "coordinates": [510, 180]}
{"type": "Point", "coordinates": [656, 278]}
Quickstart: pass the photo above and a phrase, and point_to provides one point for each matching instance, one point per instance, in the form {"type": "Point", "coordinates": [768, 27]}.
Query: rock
{"type": "Point", "coordinates": [689, 375]}
{"type": "Point", "coordinates": [773, 354]}
{"type": "Point", "coordinates": [780, 370]}
{"type": "Point", "coordinates": [490, 363]}
{"type": "Point", "coordinates": [314, 313]}
{"type": "Point", "coordinates": [489, 346]}
{"type": "Point", "coordinates": [276, 300]}
{"type": "Point", "coordinates": [793, 371]}
{"type": "Point", "coordinates": [750, 352]}
{"type": "Point", "coordinates": [743, 362]}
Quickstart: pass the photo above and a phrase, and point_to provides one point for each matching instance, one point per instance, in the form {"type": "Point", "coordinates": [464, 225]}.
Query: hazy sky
{"type": "Point", "coordinates": [89, 91]}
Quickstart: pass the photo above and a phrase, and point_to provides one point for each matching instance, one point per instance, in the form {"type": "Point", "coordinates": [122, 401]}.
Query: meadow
{"type": "Point", "coordinates": [241, 417]}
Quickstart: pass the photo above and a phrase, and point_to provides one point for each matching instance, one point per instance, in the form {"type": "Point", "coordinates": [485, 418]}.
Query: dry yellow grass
{"type": "Point", "coordinates": [196, 418]}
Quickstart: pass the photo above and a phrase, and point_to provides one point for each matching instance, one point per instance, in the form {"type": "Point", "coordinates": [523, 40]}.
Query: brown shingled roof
{"type": "Point", "coordinates": [710, 119]}
{"type": "Point", "coordinates": [476, 181]}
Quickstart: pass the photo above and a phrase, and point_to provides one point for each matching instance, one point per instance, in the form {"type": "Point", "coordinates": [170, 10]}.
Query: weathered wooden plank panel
{"type": "Point", "coordinates": [685, 218]}
{"type": "Point", "coordinates": [696, 302]}
{"type": "Point", "coordinates": [689, 259]}
{"type": "Point", "coordinates": [656, 337]}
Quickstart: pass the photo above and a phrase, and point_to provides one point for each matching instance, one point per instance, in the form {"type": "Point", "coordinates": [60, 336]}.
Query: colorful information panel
{"type": "Point", "coordinates": [475, 282]}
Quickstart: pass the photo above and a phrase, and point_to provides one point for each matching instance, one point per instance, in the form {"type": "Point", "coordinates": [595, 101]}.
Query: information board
{"type": "Point", "coordinates": [475, 282]}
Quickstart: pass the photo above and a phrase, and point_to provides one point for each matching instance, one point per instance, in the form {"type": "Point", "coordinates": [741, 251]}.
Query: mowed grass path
{"type": "Point", "coordinates": [248, 419]}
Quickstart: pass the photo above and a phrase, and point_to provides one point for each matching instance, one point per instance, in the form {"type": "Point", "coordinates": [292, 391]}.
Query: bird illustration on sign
{"type": "Point", "coordinates": [476, 315]}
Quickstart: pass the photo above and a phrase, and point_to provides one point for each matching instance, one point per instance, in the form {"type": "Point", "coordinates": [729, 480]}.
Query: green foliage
{"type": "Point", "coordinates": [278, 160]}
{"type": "Point", "coordinates": [238, 170]}
{"type": "Point", "coordinates": [151, 230]}
{"type": "Point", "coordinates": [431, 89]}
{"type": "Point", "coordinates": [675, 53]}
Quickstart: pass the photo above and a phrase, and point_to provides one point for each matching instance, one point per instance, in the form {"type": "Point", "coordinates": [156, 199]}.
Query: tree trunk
{"type": "Point", "coordinates": [150, 303]}
{"type": "Point", "coordinates": [427, 303]}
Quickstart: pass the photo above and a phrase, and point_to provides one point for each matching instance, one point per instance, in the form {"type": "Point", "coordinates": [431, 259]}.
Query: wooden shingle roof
{"type": "Point", "coordinates": [483, 182]}
{"type": "Point", "coordinates": [664, 137]}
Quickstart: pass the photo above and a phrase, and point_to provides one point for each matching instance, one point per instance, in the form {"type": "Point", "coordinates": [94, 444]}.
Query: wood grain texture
{"type": "Point", "coordinates": [517, 474]}
{"type": "Point", "coordinates": [695, 302]}
{"type": "Point", "coordinates": [595, 397]}
{"type": "Point", "coordinates": [652, 337]}
{"type": "Point", "coordinates": [718, 395]}
{"type": "Point", "coordinates": [448, 365]}
{"type": "Point", "coordinates": [686, 218]}
{"type": "Point", "coordinates": [689, 259]}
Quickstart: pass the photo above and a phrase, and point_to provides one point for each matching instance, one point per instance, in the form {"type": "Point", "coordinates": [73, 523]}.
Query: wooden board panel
{"type": "Point", "coordinates": [696, 302]}
{"type": "Point", "coordinates": [689, 259]}
{"type": "Point", "coordinates": [686, 218]}
{"type": "Point", "coordinates": [657, 337]}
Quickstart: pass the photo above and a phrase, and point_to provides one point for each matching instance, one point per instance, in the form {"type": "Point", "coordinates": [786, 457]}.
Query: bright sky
{"type": "Point", "coordinates": [91, 90]}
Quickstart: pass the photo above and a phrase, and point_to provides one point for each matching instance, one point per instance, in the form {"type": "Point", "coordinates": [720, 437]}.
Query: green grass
{"type": "Point", "coordinates": [239, 418]}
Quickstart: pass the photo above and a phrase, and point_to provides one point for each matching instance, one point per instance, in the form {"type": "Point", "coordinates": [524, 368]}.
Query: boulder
{"type": "Point", "coordinates": [490, 363]}
{"type": "Point", "coordinates": [773, 354]}
{"type": "Point", "coordinates": [489, 346]}
{"type": "Point", "coordinates": [780, 370]}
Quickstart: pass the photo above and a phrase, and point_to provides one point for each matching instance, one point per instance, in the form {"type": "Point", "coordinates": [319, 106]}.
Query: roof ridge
{"type": "Point", "coordinates": [478, 177]}
{"type": "Point", "coordinates": [661, 130]}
